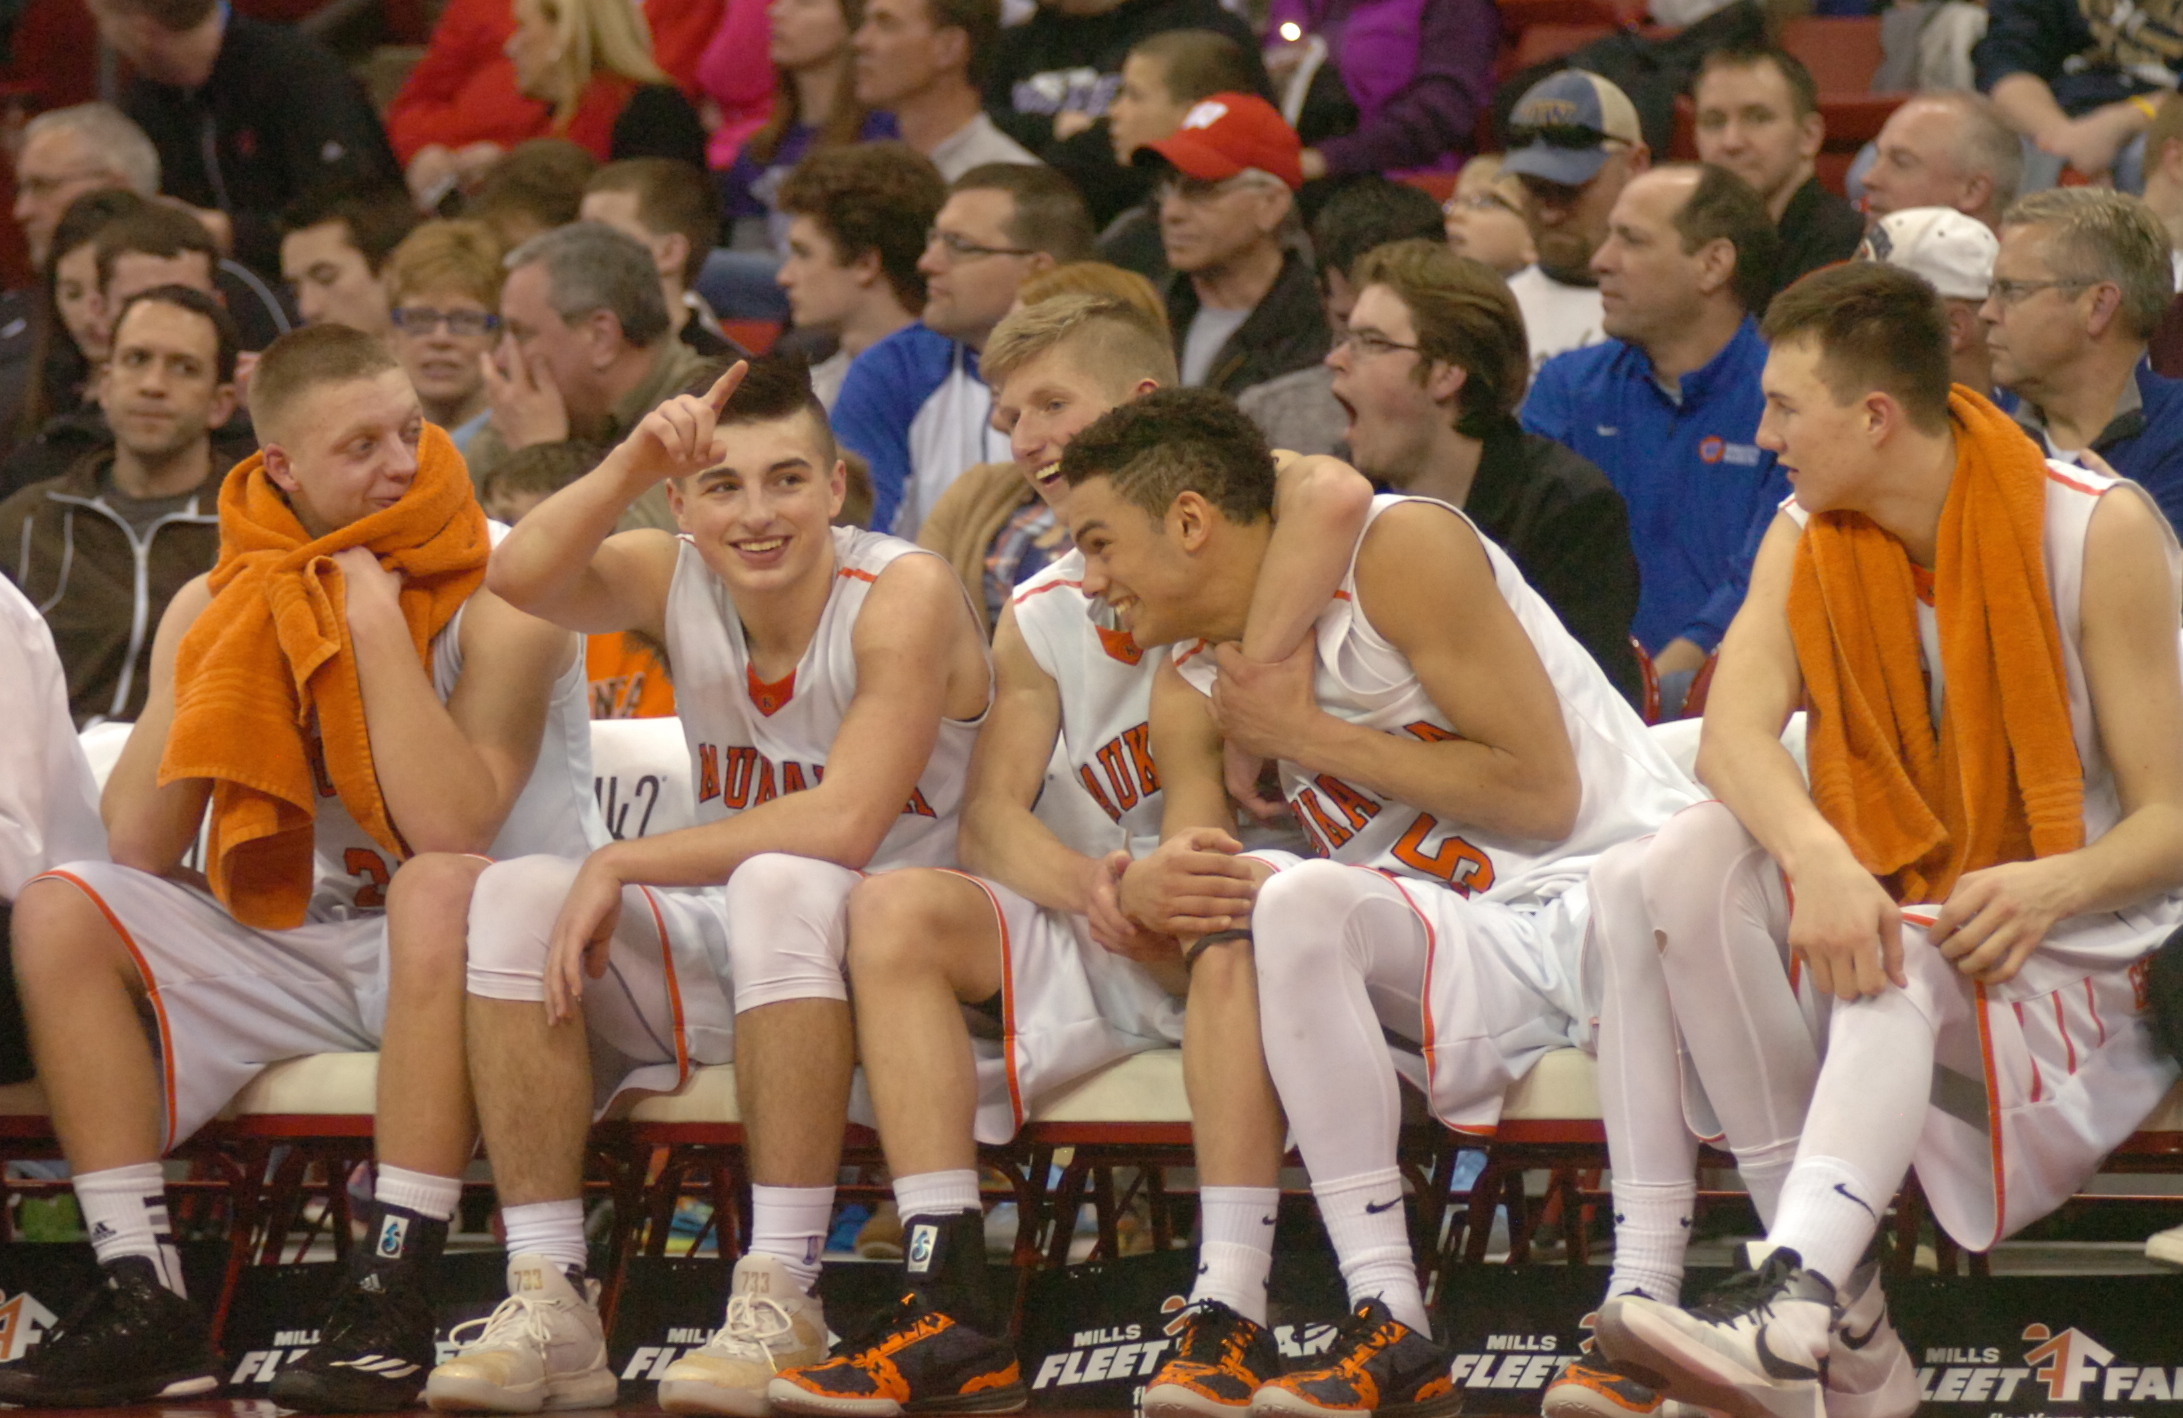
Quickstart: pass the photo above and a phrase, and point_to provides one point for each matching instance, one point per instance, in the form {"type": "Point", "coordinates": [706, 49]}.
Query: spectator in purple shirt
{"type": "Point", "coordinates": [1401, 83]}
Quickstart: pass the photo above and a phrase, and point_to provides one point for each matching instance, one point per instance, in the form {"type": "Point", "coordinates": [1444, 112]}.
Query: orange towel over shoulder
{"type": "Point", "coordinates": [266, 688]}
{"type": "Point", "coordinates": [2000, 781]}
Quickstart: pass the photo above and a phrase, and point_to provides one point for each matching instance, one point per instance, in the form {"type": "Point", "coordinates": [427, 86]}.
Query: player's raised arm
{"type": "Point", "coordinates": [1319, 508]}
{"type": "Point", "coordinates": [149, 827]}
{"type": "Point", "coordinates": [565, 564]}
{"type": "Point", "coordinates": [1001, 838]}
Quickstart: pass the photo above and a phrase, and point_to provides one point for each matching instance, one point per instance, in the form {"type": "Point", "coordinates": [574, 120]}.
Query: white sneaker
{"type": "Point", "coordinates": [543, 1348]}
{"type": "Point", "coordinates": [2166, 1246]}
{"type": "Point", "coordinates": [1869, 1373]}
{"type": "Point", "coordinates": [771, 1325]}
{"type": "Point", "coordinates": [1756, 1349]}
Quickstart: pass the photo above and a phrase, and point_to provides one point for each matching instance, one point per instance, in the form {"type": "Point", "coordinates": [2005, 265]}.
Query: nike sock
{"type": "Point", "coordinates": [1371, 1236]}
{"type": "Point", "coordinates": [1236, 1251]}
{"type": "Point", "coordinates": [420, 1192]}
{"type": "Point", "coordinates": [1652, 1233]}
{"type": "Point", "coordinates": [553, 1229]}
{"type": "Point", "coordinates": [1829, 1213]}
{"type": "Point", "coordinates": [125, 1209]}
{"type": "Point", "coordinates": [937, 1193]}
{"type": "Point", "coordinates": [791, 1224]}
{"type": "Point", "coordinates": [1763, 1170]}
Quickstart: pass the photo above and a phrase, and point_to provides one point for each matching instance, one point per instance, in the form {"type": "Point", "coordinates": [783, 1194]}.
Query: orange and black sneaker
{"type": "Point", "coordinates": [1597, 1387]}
{"type": "Point", "coordinates": [1221, 1359]}
{"type": "Point", "coordinates": [933, 1353]}
{"type": "Point", "coordinates": [918, 1361]}
{"type": "Point", "coordinates": [1380, 1366]}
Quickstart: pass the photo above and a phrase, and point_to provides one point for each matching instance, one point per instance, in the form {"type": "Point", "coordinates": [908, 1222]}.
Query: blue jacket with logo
{"type": "Point", "coordinates": [1701, 492]}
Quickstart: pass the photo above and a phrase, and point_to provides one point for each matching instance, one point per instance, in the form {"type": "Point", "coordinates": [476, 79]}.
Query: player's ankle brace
{"type": "Point", "coordinates": [399, 1243]}
{"type": "Point", "coordinates": [943, 1258]}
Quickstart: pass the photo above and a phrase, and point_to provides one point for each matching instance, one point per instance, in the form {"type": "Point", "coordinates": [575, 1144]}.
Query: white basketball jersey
{"type": "Point", "coordinates": [1105, 681]}
{"type": "Point", "coordinates": [751, 742]}
{"type": "Point", "coordinates": [557, 813]}
{"type": "Point", "coordinates": [1629, 786]}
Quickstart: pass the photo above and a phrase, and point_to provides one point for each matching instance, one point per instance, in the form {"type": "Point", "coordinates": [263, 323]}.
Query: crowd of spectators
{"type": "Point", "coordinates": [575, 208]}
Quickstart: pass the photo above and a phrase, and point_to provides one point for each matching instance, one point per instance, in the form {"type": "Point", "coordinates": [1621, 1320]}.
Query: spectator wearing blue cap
{"type": "Point", "coordinates": [1668, 407]}
{"type": "Point", "coordinates": [1574, 143]}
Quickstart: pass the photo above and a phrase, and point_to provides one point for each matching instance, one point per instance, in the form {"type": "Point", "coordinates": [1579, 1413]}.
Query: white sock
{"type": "Point", "coordinates": [1652, 1232]}
{"type": "Point", "coordinates": [947, 1193]}
{"type": "Point", "coordinates": [125, 1209]}
{"type": "Point", "coordinates": [1764, 1170]}
{"type": "Point", "coordinates": [553, 1229]}
{"type": "Point", "coordinates": [1371, 1236]}
{"type": "Point", "coordinates": [421, 1192]}
{"type": "Point", "coordinates": [791, 1223]}
{"type": "Point", "coordinates": [1829, 1213]}
{"type": "Point", "coordinates": [1236, 1250]}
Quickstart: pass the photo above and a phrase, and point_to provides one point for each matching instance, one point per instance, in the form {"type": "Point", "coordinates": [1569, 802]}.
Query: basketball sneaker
{"type": "Point", "coordinates": [1869, 1372]}
{"type": "Point", "coordinates": [1221, 1359]}
{"type": "Point", "coordinates": [938, 1350]}
{"type": "Point", "coordinates": [376, 1348]}
{"type": "Point", "coordinates": [1380, 1366]}
{"type": "Point", "coordinates": [2166, 1246]}
{"type": "Point", "coordinates": [1756, 1348]}
{"type": "Point", "coordinates": [771, 1325]}
{"type": "Point", "coordinates": [129, 1341]}
{"type": "Point", "coordinates": [543, 1348]}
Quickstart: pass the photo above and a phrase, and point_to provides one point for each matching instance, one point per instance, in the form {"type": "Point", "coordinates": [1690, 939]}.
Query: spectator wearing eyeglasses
{"type": "Point", "coordinates": [1668, 407]}
{"type": "Point", "coordinates": [1758, 116]}
{"type": "Point", "coordinates": [1484, 217]}
{"type": "Point", "coordinates": [914, 404]}
{"type": "Point", "coordinates": [1243, 303]}
{"type": "Point", "coordinates": [1574, 143]}
{"type": "Point", "coordinates": [333, 245]}
{"type": "Point", "coordinates": [443, 283]}
{"type": "Point", "coordinates": [2082, 281]}
{"type": "Point", "coordinates": [1430, 371]}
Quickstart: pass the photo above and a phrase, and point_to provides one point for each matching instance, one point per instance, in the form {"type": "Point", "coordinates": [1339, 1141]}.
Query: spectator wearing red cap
{"type": "Point", "coordinates": [1244, 307]}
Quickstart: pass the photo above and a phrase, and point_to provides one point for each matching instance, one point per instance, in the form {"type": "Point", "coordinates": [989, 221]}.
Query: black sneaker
{"type": "Point", "coordinates": [1378, 1365]}
{"type": "Point", "coordinates": [1221, 1359]}
{"type": "Point", "coordinates": [131, 1340]}
{"type": "Point", "coordinates": [375, 1350]}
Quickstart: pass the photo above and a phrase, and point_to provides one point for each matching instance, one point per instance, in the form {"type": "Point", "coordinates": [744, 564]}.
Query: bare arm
{"type": "Point", "coordinates": [1002, 838]}
{"type": "Point", "coordinates": [1195, 883]}
{"type": "Point", "coordinates": [1319, 507]}
{"type": "Point", "coordinates": [149, 827]}
{"type": "Point", "coordinates": [1510, 770]}
{"type": "Point", "coordinates": [1841, 921]}
{"type": "Point", "coordinates": [2088, 142]}
{"type": "Point", "coordinates": [563, 563]}
{"type": "Point", "coordinates": [1995, 918]}
{"type": "Point", "coordinates": [451, 771]}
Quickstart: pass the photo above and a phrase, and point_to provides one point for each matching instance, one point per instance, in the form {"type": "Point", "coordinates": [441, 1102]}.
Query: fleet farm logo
{"type": "Point", "coordinates": [2058, 1368]}
{"type": "Point", "coordinates": [23, 1322]}
{"type": "Point", "coordinates": [650, 1361]}
{"type": "Point", "coordinates": [1133, 1353]}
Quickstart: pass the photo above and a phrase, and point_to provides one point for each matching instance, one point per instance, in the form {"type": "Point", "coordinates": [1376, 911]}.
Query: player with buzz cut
{"type": "Point", "coordinates": [1035, 939]}
{"type": "Point", "coordinates": [831, 682]}
{"type": "Point", "coordinates": [1937, 951]}
{"type": "Point", "coordinates": [1457, 760]}
{"type": "Point", "coordinates": [341, 692]}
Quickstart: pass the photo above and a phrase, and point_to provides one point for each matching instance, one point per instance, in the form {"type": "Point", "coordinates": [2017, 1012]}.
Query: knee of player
{"type": "Point", "coordinates": [897, 922]}
{"type": "Point", "coordinates": [1693, 852]}
{"type": "Point", "coordinates": [428, 905]}
{"type": "Point", "coordinates": [512, 908]}
{"type": "Point", "coordinates": [1291, 921]}
{"type": "Point", "coordinates": [56, 930]}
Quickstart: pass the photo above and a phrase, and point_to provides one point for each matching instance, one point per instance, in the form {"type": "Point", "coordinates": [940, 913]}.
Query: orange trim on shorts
{"type": "Point", "coordinates": [1008, 994]}
{"type": "Point", "coordinates": [1428, 1044]}
{"type": "Point", "coordinates": [674, 989]}
{"type": "Point", "coordinates": [1993, 1117]}
{"type": "Point", "coordinates": [151, 989]}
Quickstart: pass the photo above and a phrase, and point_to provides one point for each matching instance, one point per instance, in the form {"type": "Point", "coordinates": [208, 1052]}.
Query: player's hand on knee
{"type": "Point", "coordinates": [583, 935]}
{"type": "Point", "coordinates": [1995, 918]}
{"type": "Point", "coordinates": [1111, 927]}
{"type": "Point", "coordinates": [1266, 708]}
{"type": "Point", "coordinates": [675, 440]}
{"type": "Point", "coordinates": [1194, 884]}
{"type": "Point", "coordinates": [1847, 930]}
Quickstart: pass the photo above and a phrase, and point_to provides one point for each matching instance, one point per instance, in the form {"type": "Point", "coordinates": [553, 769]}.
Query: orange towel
{"type": "Point", "coordinates": [267, 697]}
{"type": "Point", "coordinates": [2001, 781]}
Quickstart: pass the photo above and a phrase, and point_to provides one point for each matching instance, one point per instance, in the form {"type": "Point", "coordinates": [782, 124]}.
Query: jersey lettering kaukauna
{"type": "Point", "coordinates": [1105, 684]}
{"type": "Point", "coordinates": [557, 813]}
{"type": "Point", "coordinates": [1629, 785]}
{"type": "Point", "coordinates": [751, 741]}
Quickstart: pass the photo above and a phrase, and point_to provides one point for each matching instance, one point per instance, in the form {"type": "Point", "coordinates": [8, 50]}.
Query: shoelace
{"type": "Point", "coordinates": [752, 1325]}
{"type": "Point", "coordinates": [517, 1317]}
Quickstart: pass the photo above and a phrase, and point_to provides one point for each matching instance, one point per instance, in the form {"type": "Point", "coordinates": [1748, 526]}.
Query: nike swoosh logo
{"type": "Point", "coordinates": [1374, 1208]}
{"type": "Point", "coordinates": [1779, 1368]}
{"type": "Point", "coordinates": [1859, 1341]}
{"type": "Point", "coordinates": [1265, 1220]}
{"type": "Point", "coordinates": [1858, 1199]}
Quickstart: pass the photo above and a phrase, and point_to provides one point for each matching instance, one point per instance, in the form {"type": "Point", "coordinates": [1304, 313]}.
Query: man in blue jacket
{"type": "Point", "coordinates": [1669, 405]}
{"type": "Point", "coordinates": [2082, 281]}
